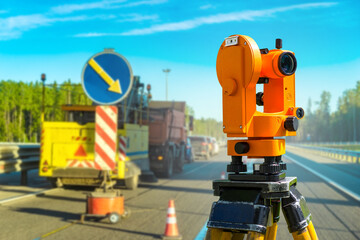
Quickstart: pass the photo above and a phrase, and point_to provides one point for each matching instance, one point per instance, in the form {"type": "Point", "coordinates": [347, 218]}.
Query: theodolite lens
{"type": "Point", "coordinates": [287, 63]}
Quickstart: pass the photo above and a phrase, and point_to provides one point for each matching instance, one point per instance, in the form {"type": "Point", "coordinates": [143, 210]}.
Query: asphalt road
{"type": "Point", "coordinates": [55, 215]}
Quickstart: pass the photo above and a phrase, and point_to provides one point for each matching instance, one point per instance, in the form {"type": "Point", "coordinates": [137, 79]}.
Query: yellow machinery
{"type": "Point", "coordinates": [249, 204]}
{"type": "Point", "coordinates": [67, 148]}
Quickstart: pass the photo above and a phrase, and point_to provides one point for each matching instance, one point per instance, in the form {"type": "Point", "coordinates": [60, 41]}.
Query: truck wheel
{"type": "Point", "coordinates": [191, 160]}
{"type": "Point", "coordinates": [180, 159]}
{"type": "Point", "coordinates": [132, 183]}
{"type": "Point", "coordinates": [169, 164]}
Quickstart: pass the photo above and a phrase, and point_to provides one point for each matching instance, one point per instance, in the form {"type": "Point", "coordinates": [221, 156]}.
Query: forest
{"type": "Point", "coordinates": [20, 108]}
{"type": "Point", "coordinates": [322, 125]}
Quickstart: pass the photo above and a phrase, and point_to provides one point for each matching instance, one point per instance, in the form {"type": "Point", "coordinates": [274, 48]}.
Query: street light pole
{"type": "Point", "coordinates": [43, 78]}
{"type": "Point", "coordinates": [166, 71]}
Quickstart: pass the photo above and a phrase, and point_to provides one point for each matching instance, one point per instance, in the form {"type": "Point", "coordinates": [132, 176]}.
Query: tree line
{"type": "Point", "coordinates": [322, 125]}
{"type": "Point", "coordinates": [20, 111]}
{"type": "Point", "coordinates": [21, 106]}
{"type": "Point", "coordinates": [21, 103]}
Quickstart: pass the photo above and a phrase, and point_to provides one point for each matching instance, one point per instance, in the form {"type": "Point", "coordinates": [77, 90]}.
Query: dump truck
{"type": "Point", "coordinates": [167, 137]}
{"type": "Point", "coordinates": [67, 147]}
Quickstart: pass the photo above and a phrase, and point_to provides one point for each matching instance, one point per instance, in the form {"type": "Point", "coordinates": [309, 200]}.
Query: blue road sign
{"type": "Point", "coordinates": [107, 77]}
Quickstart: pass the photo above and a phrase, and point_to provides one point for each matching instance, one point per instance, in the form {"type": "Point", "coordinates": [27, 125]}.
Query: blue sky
{"type": "Point", "coordinates": [58, 37]}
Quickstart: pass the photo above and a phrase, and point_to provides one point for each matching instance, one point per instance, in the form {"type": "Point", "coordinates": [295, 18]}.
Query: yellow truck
{"type": "Point", "coordinates": [67, 147]}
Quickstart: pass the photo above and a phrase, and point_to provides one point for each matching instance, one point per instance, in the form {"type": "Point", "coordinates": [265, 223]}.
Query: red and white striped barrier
{"type": "Point", "coordinates": [122, 148]}
{"type": "Point", "coordinates": [80, 163]}
{"type": "Point", "coordinates": [105, 137]}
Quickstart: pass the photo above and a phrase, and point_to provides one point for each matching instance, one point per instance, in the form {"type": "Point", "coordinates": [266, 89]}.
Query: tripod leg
{"type": "Point", "coordinates": [311, 230]}
{"type": "Point", "coordinates": [301, 235]}
{"type": "Point", "coordinates": [298, 216]}
{"type": "Point", "coordinates": [255, 236]}
{"type": "Point", "coordinates": [271, 232]}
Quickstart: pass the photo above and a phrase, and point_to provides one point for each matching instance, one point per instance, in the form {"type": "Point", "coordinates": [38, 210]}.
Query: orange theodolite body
{"type": "Point", "coordinates": [239, 67]}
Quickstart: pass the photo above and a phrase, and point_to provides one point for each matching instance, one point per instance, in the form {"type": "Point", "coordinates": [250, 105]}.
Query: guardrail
{"type": "Point", "coordinates": [340, 154]}
{"type": "Point", "coordinates": [16, 157]}
{"type": "Point", "coordinates": [332, 143]}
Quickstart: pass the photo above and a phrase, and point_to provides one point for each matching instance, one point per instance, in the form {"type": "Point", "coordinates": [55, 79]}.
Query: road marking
{"type": "Point", "coordinates": [56, 230]}
{"type": "Point", "coordinates": [328, 180]}
{"type": "Point", "coordinates": [34, 194]}
{"type": "Point", "coordinates": [114, 86]}
{"type": "Point", "coordinates": [195, 169]}
{"type": "Point", "coordinates": [202, 234]}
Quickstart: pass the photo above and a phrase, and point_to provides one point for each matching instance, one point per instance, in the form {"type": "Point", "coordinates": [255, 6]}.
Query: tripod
{"type": "Point", "coordinates": [249, 204]}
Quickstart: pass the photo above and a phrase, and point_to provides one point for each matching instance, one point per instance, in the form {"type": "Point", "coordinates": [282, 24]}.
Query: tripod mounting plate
{"type": "Point", "coordinates": [244, 177]}
{"type": "Point", "coordinates": [274, 190]}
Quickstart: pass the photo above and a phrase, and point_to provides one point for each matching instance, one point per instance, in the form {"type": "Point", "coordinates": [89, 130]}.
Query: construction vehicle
{"type": "Point", "coordinates": [167, 138]}
{"type": "Point", "coordinates": [152, 130]}
{"type": "Point", "coordinates": [67, 147]}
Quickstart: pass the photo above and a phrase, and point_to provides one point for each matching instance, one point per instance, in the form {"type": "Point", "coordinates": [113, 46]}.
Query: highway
{"type": "Point", "coordinates": [55, 214]}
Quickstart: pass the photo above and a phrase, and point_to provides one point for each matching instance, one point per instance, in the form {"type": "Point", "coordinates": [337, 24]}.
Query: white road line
{"type": "Point", "coordinates": [326, 179]}
{"type": "Point", "coordinates": [202, 234]}
{"type": "Point", "coordinates": [34, 194]}
{"type": "Point", "coordinates": [195, 169]}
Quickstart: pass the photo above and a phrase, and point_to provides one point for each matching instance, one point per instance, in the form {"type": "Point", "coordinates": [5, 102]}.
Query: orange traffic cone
{"type": "Point", "coordinates": [171, 229]}
{"type": "Point", "coordinates": [223, 176]}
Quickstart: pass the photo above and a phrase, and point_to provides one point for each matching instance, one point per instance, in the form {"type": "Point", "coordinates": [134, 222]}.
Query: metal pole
{"type": "Point", "coordinates": [43, 78]}
{"type": "Point", "coordinates": [166, 71]}
{"type": "Point", "coordinates": [354, 117]}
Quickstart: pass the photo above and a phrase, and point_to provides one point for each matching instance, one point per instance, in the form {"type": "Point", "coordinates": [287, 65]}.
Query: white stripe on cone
{"type": "Point", "coordinates": [171, 220]}
{"type": "Point", "coordinates": [171, 211]}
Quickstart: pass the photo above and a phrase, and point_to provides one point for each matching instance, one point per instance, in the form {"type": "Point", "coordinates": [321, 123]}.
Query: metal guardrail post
{"type": "Point", "coordinates": [24, 177]}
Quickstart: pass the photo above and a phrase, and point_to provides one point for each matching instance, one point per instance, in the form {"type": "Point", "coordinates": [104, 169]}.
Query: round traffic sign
{"type": "Point", "coordinates": [107, 77]}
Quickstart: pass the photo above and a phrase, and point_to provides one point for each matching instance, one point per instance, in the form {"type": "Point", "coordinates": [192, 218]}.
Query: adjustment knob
{"type": "Point", "coordinates": [242, 147]}
{"type": "Point", "coordinates": [291, 124]}
{"type": "Point", "coordinates": [259, 99]}
{"type": "Point", "coordinates": [300, 113]}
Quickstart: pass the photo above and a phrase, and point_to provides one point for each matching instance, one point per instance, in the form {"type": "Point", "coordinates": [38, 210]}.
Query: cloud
{"type": "Point", "coordinates": [92, 34]}
{"type": "Point", "coordinates": [138, 18]}
{"type": "Point", "coordinates": [13, 27]}
{"type": "Point", "coordinates": [249, 15]}
{"type": "Point", "coordinates": [105, 4]}
{"type": "Point", "coordinates": [207, 6]}
{"type": "Point", "coordinates": [146, 2]}
{"type": "Point", "coordinates": [69, 8]}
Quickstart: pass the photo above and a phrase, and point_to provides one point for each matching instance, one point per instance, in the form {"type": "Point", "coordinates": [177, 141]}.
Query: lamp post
{"type": "Point", "coordinates": [43, 78]}
{"type": "Point", "coordinates": [166, 71]}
